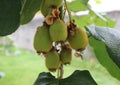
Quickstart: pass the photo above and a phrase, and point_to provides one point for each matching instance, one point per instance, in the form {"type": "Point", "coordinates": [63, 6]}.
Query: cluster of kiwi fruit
{"type": "Point", "coordinates": [55, 39]}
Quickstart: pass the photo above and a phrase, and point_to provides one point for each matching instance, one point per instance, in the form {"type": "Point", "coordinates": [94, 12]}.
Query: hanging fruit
{"type": "Point", "coordinates": [66, 55]}
{"type": "Point", "coordinates": [52, 60]}
{"type": "Point", "coordinates": [78, 38]}
{"type": "Point", "coordinates": [58, 31]}
{"type": "Point", "coordinates": [54, 3]}
{"type": "Point", "coordinates": [42, 42]}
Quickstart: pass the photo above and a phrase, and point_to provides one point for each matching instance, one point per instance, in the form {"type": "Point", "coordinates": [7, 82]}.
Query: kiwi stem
{"type": "Point", "coordinates": [69, 13]}
{"type": "Point", "coordinates": [60, 72]}
{"type": "Point", "coordinates": [58, 76]}
{"type": "Point", "coordinates": [61, 12]}
{"type": "Point", "coordinates": [64, 11]}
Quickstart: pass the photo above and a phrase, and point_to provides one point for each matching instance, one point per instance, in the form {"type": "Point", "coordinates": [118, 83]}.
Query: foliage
{"type": "Point", "coordinates": [83, 77]}
{"type": "Point", "coordinates": [108, 52]}
{"type": "Point", "coordinates": [18, 12]}
{"type": "Point", "coordinates": [9, 16]}
{"type": "Point", "coordinates": [29, 9]}
{"type": "Point", "coordinates": [110, 38]}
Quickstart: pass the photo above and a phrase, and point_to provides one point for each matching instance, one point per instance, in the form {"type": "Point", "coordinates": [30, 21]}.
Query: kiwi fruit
{"type": "Point", "coordinates": [58, 31]}
{"type": "Point", "coordinates": [66, 56]}
{"type": "Point", "coordinates": [45, 9]}
{"type": "Point", "coordinates": [79, 40]}
{"type": "Point", "coordinates": [54, 3]}
{"type": "Point", "coordinates": [42, 42]}
{"type": "Point", "coordinates": [52, 60]}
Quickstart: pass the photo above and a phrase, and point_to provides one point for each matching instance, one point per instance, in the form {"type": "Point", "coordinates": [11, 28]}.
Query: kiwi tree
{"type": "Point", "coordinates": [56, 39]}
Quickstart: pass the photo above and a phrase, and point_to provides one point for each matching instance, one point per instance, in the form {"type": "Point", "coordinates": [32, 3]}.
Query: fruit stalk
{"type": "Point", "coordinates": [61, 13]}
{"type": "Point", "coordinates": [69, 13]}
{"type": "Point", "coordinates": [60, 72]}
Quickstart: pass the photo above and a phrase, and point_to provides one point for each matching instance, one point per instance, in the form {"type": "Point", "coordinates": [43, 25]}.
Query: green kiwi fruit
{"type": "Point", "coordinates": [54, 3]}
{"type": "Point", "coordinates": [52, 60]}
{"type": "Point", "coordinates": [79, 40]}
{"type": "Point", "coordinates": [66, 55]}
{"type": "Point", "coordinates": [45, 9]}
{"type": "Point", "coordinates": [42, 42]}
{"type": "Point", "coordinates": [58, 31]}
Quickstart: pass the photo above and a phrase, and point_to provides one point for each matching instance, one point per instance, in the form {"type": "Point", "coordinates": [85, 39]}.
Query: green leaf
{"type": "Point", "coordinates": [83, 20]}
{"type": "Point", "coordinates": [29, 9]}
{"type": "Point", "coordinates": [84, 1]}
{"type": "Point", "coordinates": [79, 78]}
{"type": "Point", "coordinates": [101, 20]}
{"type": "Point", "coordinates": [23, 2]}
{"type": "Point", "coordinates": [93, 18]}
{"type": "Point", "coordinates": [111, 38]}
{"type": "Point", "coordinates": [77, 5]}
{"type": "Point", "coordinates": [45, 79]}
{"type": "Point", "coordinates": [106, 44]}
{"type": "Point", "coordinates": [9, 16]}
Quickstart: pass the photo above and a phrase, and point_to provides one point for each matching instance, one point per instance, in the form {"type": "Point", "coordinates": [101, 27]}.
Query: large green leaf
{"type": "Point", "coordinates": [78, 5]}
{"type": "Point", "coordinates": [111, 38]}
{"type": "Point", "coordinates": [29, 9]}
{"type": "Point", "coordinates": [23, 2]}
{"type": "Point", "coordinates": [106, 44]}
{"type": "Point", "coordinates": [77, 78]}
{"type": "Point", "coordinates": [9, 16]}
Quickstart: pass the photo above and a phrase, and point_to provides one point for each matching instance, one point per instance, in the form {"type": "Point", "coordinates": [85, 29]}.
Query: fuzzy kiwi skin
{"type": "Point", "coordinates": [58, 31]}
{"type": "Point", "coordinates": [42, 42]}
{"type": "Point", "coordinates": [45, 9]}
{"type": "Point", "coordinates": [79, 40]}
{"type": "Point", "coordinates": [66, 56]}
{"type": "Point", "coordinates": [52, 60]}
{"type": "Point", "coordinates": [56, 3]}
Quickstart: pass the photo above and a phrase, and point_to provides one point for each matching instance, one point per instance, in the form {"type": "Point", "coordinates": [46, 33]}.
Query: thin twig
{"type": "Point", "coordinates": [69, 13]}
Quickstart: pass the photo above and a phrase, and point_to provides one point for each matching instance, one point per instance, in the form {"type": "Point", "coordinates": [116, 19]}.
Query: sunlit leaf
{"type": "Point", "coordinates": [83, 20]}
{"type": "Point", "coordinates": [101, 20]}
{"type": "Point", "coordinates": [77, 5]}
